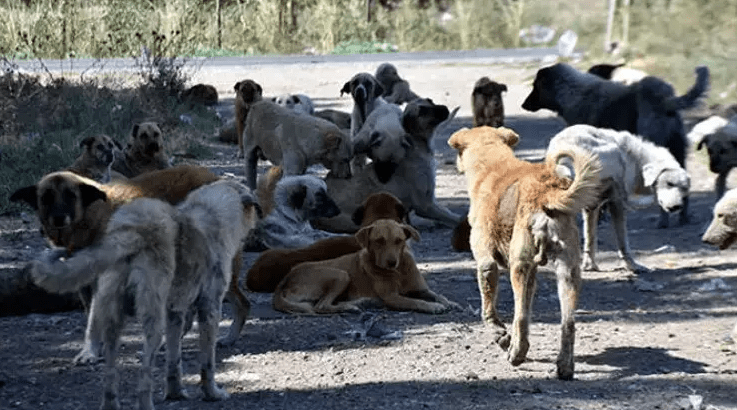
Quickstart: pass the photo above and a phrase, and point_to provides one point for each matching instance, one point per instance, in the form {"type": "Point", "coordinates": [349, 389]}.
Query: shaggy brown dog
{"type": "Point", "coordinates": [98, 154]}
{"type": "Point", "coordinates": [274, 264]}
{"type": "Point", "coordinates": [486, 100]}
{"type": "Point", "coordinates": [247, 92]}
{"type": "Point", "coordinates": [377, 271]}
{"type": "Point", "coordinates": [144, 152]}
{"type": "Point", "coordinates": [74, 214]}
{"type": "Point", "coordinates": [521, 215]}
{"type": "Point", "coordinates": [203, 94]}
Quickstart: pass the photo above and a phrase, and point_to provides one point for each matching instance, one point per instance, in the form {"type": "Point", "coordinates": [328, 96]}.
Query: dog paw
{"type": "Point", "coordinates": [589, 265]}
{"type": "Point", "coordinates": [450, 305]}
{"type": "Point", "coordinates": [86, 357]}
{"type": "Point", "coordinates": [517, 352]}
{"type": "Point", "coordinates": [179, 393]}
{"type": "Point", "coordinates": [503, 340]}
{"type": "Point", "coordinates": [215, 393]}
{"type": "Point", "coordinates": [564, 370]}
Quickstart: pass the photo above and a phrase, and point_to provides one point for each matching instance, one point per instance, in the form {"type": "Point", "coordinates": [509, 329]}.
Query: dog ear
{"type": "Point", "coordinates": [87, 141]}
{"type": "Point", "coordinates": [134, 131]}
{"type": "Point", "coordinates": [703, 141]}
{"type": "Point", "coordinates": [362, 236]}
{"type": "Point", "coordinates": [346, 88]}
{"type": "Point", "coordinates": [510, 137]}
{"type": "Point", "coordinates": [402, 212]}
{"type": "Point", "coordinates": [411, 233]}
{"type": "Point", "coordinates": [297, 197]}
{"type": "Point", "coordinates": [28, 195]}
{"type": "Point", "coordinates": [296, 99]}
{"type": "Point", "coordinates": [258, 87]}
{"type": "Point", "coordinates": [456, 141]}
{"type": "Point", "coordinates": [357, 216]}
{"type": "Point", "coordinates": [237, 86]}
{"type": "Point", "coordinates": [502, 88]}
{"type": "Point", "coordinates": [90, 194]}
{"type": "Point", "coordinates": [650, 174]}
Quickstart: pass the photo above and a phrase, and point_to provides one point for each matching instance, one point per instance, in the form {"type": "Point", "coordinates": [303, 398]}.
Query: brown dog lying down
{"type": "Point", "coordinates": [274, 264]}
{"type": "Point", "coordinates": [521, 215]}
{"type": "Point", "coordinates": [383, 270]}
{"type": "Point", "coordinates": [74, 214]}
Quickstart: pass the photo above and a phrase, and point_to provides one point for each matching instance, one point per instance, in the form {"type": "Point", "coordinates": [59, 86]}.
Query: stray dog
{"type": "Point", "coordinates": [169, 261]}
{"type": "Point", "coordinates": [203, 94]}
{"type": "Point", "coordinates": [722, 148]}
{"type": "Point", "coordinates": [247, 93]}
{"type": "Point", "coordinates": [629, 165]}
{"type": "Point", "coordinates": [274, 264]}
{"type": "Point", "coordinates": [144, 152]}
{"type": "Point", "coordinates": [412, 179]}
{"type": "Point", "coordinates": [648, 108]}
{"type": "Point", "coordinates": [487, 103]}
{"type": "Point", "coordinates": [523, 214]}
{"type": "Point", "coordinates": [366, 92]}
{"type": "Point", "coordinates": [297, 102]}
{"type": "Point", "coordinates": [383, 139]}
{"type": "Point", "coordinates": [396, 90]}
{"type": "Point", "coordinates": [297, 200]}
{"type": "Point", "coordinates": [98, 154]}
{"type": "Point", "coordinates": [380, 270]}
{"type": "Point", "coordinates": [293, 141]}
{"type": "Point", "coordinates": [617, 73]}
{"type": "Point", "coordinates": [74, 215]}
{"type": "Point", "coordinates": [337, 117]}
{"type": "Point", "coordinates": [722, 230]}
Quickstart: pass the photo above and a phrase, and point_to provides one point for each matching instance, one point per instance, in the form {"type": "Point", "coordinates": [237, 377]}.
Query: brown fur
{"type": "Point", "coordinates": [487, 103]}
{"type": "Point", "coordinates": [144, 152]}
{"type": "Point", "coordinates": [376, 272]}
{"type": "Point", "coordinates": [274, 264]}
{"type": "Point", "coordinates": [74, 210]}
{"type": "Point", "coordinates": [521, 215]}
{"type": "Point", "coordinates": [203, 94]}
{"type": "Point", "coordinates": [247, 92]}
{"type": "Point", "coordinates": [460, 241]}
{"type": "Point", "coordinates": [98, 154]}
{"type": "Point", "coordinates": [266, 186]}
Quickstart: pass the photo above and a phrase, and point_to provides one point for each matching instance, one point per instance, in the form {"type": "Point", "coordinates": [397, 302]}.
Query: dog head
{"type": "Point", "coordinates": [146, 140]}
{"type": "Point", "coordinates": [381, 205]}
{"type": "Point", "coordinates": [101, 148]}
{"type": "Point", "coordinates": [385, 242]}
{"type": "Point", "coordinates": [306, 196]}
{"type": "Point", "coordinates": [204, 94]}
{"type": "Point", "coordinates": [422, 116]}
{"type": "Point", "coordinates": [722, 149]}
{"type": "Point", "coordinates": [387, 76]}
{"type": "Point", "coordinates": [248, 91]}
{"type": "Point", "coordinates": [295, 102]}
{"type": "Point", "coordinates": [364, 89]}
{"type": "Point", "coordinates": [671, 185]}
{"type": "Point", "coordinates": [337, 153]}
{"type": "Point", "coordinates": [722, 230]}
{"type": "Point", "coordinates": [60, 200]}
{"type": "Point", "coordinates": [383, 139]}
{"type": "Point", "coordinates": [465, 139]}
{"type": "Point", "coordinates": [488, 106]}
{"type": "Point", "coordinates": [544, 87]}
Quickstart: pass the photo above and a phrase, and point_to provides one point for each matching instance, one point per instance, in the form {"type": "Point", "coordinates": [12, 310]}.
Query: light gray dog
{"type": "Point", "coordinates": [170, 261]}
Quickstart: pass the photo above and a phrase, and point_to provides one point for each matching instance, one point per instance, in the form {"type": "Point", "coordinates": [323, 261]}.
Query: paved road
{"type": "Point", "coordinates": [485, 56]}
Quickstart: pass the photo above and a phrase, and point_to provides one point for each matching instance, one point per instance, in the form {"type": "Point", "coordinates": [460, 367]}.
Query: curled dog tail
{"type": "Point", "coordinates": [693, 95]}
{"type": "Point", "coordinates": [266, 188]}
{"type": "Point", "coordinates": [583, 169]}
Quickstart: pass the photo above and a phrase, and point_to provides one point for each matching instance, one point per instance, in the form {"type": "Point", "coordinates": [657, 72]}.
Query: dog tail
{"type": "Point", "coordinates": [693, 95]}
{"type": "Point", "coordinates": [583, 169]}
{"type": "Point", "coordinates": [266, 188]}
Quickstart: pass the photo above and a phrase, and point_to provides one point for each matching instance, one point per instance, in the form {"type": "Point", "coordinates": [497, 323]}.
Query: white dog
{"type": "Point", "coordinates": [297, 102]}
{"type": "Point", "coordinates": [630, 165]}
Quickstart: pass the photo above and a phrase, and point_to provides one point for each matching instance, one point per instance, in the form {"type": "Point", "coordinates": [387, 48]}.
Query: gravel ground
{"type": "Point", "coordinates": [656, 341]}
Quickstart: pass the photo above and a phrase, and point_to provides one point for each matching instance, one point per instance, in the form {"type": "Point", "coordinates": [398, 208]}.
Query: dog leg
{"type": "Point", "coordinates": [720, 185]}
{"type": "Point", "coordinates": [663, 221]}
{"type": "Point", "coordinates": [250, 171]}
{"type": "Point", "coordinates": [683, 218]}
{"type": "Point", "coordinates": [111, 325]}
{"type": "Point", "coordinates": [619, 220]}
{"type": "Point", "coordinates": [336, 281]}
{"type": "Point", "coordinates": [150, 303]}
{"type": "Point", "coordinates": [398, 302]}
{"type": "Point", "coordinates": [209, 317]}
{"type": "Point", "coordinates": [590, 245]}
{"type": "Point", "coordinates": [568, 274]}
{"type": "Point", "coordinates": [174, 330]}
{"type": "Point", "coordinates": [92, 350]}
{"type": "Point", "coordinates": [487, 276]}
{"type": "Point", "coordinates": [522, 272]}
{"type": "Point", "coordinates": [431, 210]}
{"type": "Point", "coordinates": [240, 303]}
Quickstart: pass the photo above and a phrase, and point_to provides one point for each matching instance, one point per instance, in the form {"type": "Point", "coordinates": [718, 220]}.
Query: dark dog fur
{"type": "Point", "coordinates": [487, 103]}
{"type": "Point", "coordinates": [203, 94]}
{"type": "Point", "coordinates": [396, 89]}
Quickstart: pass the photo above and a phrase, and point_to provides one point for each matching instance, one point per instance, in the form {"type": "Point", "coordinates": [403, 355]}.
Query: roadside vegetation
{"type": "Point", "coordinates": [44, 116]}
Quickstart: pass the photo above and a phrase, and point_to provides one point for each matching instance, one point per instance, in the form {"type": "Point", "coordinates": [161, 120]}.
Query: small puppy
{"type": "Point", "coordinates": [169, 260]}
{"type": "Point", "coordinates": [396, 90]}
{"type": "Point", "coordinates": [381, 270]}
{"type": "Point", "coordinates": [98, 154]}
{"type": "Point", "coordinates": [486, 100]}
{"type": "Point", "coordinates": [383, 139]}
{"type": "Point", "coordinates": [203, 94]}
{"type": "Point", "coordinates": [722, 148]}
{"type": "Point", "coordinates": [247, 92]}
{"type": "Point", "coordinates": [293, 141]}
{"type": "Point", "coordinates": [144, 152]}
{"type": "Point", "coordinates": [366, 92]}
{"type": "Point", "coordinates": [297, 200]}
{"type": "Point", "coordinates": [274, 264]}
{"type": "Point", "coordinates": [521, 215]}
{"type": "Point", "coordinates": [297, 102]}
